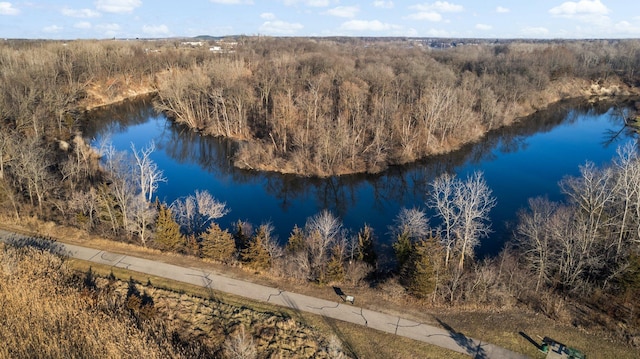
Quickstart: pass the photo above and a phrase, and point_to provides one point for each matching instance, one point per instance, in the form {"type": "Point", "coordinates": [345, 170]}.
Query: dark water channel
{"type": "Point", "coordinates": [522, 161]}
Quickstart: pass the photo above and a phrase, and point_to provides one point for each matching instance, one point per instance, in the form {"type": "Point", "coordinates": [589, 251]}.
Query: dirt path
{"type": "Point", "coordinates": [445, 338]}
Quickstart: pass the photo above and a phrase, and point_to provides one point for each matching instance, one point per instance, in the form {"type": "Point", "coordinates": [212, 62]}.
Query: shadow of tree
{"type": "Point", "coordinates": [530, 340]}
{"type": "Point", "coordinates": [342, 337]}
{"type": "Point", "coordinates": [42, 243]}
{"type": "Point", "coordinates": [473, 348]}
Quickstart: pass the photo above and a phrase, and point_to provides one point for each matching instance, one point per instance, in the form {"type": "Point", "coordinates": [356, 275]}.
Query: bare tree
{"type": "Point", "coordinates": [270, 241]}
{"type": "Point", "coordinates": [475, 200]}
{"type": "Point", "coordinates": [535, 238]}
{"type": "Point", "coordinates": [196, 212]}
{"type": "Point", "coordinates": [122, 186]}
{"type": "Point", "coordinates": [240, 346]}
{"type": "Point", "coordinates": [85, 203]}
{"type": "Point", "coordinates": [7, 149]}
{"type": "Point", "coordinates": [147, 171]}
{"type": "Point", "coordinates": [323, 231]}
{"type": "Point", "coordinates": [412, 222]}
{"type": "Point", "coordinates": [627, 192]}
{"type": "Point", "coordinates": [143, 214]}
{"type": "Point", "coordinates": [464, 207]}
{"type": "Point", "coordinates": [32, 167]}
{"type": "Point", "coordinates": [442, 200]}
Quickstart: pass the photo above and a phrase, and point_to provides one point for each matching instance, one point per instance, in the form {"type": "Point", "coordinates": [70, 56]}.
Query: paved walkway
{"type": "Point", "coordinates": [448, 339]}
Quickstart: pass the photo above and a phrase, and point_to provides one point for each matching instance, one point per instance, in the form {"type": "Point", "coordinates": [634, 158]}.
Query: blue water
{"type": "Point", "coordinates": [522, 161]}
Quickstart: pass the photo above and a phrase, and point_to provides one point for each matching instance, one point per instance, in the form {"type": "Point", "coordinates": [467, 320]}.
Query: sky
{"type": "Point", "coordinates": [541, 19]}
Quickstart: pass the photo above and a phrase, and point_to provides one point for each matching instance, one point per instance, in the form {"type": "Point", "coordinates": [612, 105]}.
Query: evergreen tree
{"type": "Point", "coordinates": [403, 248]}
{"type": "Point", "coordinates": [218, 244]}
{"type": "Point", "coordinates": [296, 240]}
{"type": "Point", "coordinates": [630, 278]}
{"type": "Point", "coordinates": [242, 235]}
{"type": "Point", "coordinates": [168, 236]}
{"type": "Point", "coordinates": [366, 251]}
{"type": "Point", "coordinates": [256, 254]}
{"type": "Point", "coordinates": [421, 272]}
{"type": "Point", "coordinates": [192, 245]}
{"type": "Point", "coordinates": [335, 267]}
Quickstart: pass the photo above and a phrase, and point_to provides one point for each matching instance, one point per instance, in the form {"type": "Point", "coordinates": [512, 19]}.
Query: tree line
{"type": "Point", "coordinates": [320, 107]}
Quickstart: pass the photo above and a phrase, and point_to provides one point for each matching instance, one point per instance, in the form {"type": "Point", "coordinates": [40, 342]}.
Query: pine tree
{"type": "Point", "coordinates": [192, 245]}
{"type": "Point", "coordinates": [421, 273]}
{"type": "Point", "coordinates": [403, 248]}
{"type": "Point", "coordinates": [366, 251]}
{"type": "Point", "coordinates": [296, 240]}
{"type": "Point", "coordinates": [218, 244]}
{"type": "Point", "coordinates": [168, 235]}
{"type": "Point", "coordinates": [256, 254]}
{"type": "Point", "coordinates": [335, 267]}
{"type": "Point", "coordinates": [630, 278]}
{"type": "Point", "coordinates": [242, 235]}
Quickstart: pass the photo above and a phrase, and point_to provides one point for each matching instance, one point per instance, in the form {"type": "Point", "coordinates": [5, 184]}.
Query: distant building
{"type": "Point", "coordinates": [192, 43]}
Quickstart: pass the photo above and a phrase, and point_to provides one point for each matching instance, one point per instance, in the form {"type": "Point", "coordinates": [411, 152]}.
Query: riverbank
{"type": "Point", "coordinates": [561, 90]}
{"type": "Point", "coordinates": [99, 95]}
{"type": "Point", "coordinates": [116, 90]}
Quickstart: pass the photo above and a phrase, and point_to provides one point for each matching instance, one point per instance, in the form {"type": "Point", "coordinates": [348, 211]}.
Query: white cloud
{"type": "Point", "coordinates": [438, 6]}
{"type": "Point", "coordinates": [582, 7]}
{"type": "Point", "coordinates": [535, 31]}
{"type": "Point", "coordinates": [82, 13]}
{"type": "Point", "coordinates": [118, 6]}
{"type": "Point", "coordinates": [426, 15]}
{"type": "Point", "coordinates": [433, 12]}
{"type": "Point", "coordinates": [311, 3]}
{"type": "Point", "coordinates": [625, 27]}
{"type": "Point", "coordinates": [502, 10]}
{"type": "Point", "coordinates": [6, 8]}
{"type": "Point", "coordinates": [280, 27]}
{"type": "Point", "coordinates": [483, 27]}
{"type": "Point", "coordinates": [232, 2]}
{"type": "Point", "coordinates": [52, 29]}
{"type": "Point", "coordinates": [364, 25]}
{"type": "Point", "coordinates": [268, 16]}
{"type": "Point", "coordinates": [110, 30]}
{"type": "Point", "coordinates": [383, 4]}
{"type": "Point", "coordinates": [155, 30]}
{"type": "Point", "coordinates": [411, 32]}
{"type": "Point", "coordinates": [594, 13]}
{"type": "Point", "coordinates": [82, 25]}
{"type": "Point", "coordinates": [344, 11]}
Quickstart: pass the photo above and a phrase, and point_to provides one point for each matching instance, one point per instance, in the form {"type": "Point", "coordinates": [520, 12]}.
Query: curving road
{"type": "Point", "coordinates": [446, 338]}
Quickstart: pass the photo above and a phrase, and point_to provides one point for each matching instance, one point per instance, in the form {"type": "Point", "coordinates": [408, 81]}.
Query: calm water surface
{"type": "Point", "coordinates": [519, 162]}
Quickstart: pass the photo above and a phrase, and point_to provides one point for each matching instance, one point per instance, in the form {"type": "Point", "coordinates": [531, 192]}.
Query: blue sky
{"type": "Point", "coordinates": [73, 19]}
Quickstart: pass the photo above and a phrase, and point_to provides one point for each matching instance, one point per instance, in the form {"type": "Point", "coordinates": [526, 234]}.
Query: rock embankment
{"type": "Point", "coordinates": [275, 335]}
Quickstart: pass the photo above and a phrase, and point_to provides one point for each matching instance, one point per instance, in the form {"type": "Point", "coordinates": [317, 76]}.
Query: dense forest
{"type": "Point", "coordinates": [326, 107]}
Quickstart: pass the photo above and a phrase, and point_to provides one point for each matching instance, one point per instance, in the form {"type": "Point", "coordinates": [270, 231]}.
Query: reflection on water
{"type": "Point", "coordinates": [520, 161]}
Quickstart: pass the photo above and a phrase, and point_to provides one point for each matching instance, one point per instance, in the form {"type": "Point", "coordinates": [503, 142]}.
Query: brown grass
{"type": "Point", "coordinates": [497, 327]}
{"type": "Point", "coordinates": [503, 328]}
{"type": "Point", "coordinates": [43, 317]}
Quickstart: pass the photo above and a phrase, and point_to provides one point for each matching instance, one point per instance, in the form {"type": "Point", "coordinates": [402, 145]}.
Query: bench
{"type": "Point", "coordinates": [349, 298]}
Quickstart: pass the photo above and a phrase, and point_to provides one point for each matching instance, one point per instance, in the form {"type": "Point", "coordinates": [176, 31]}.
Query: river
{"type": "Point", "coordinates": [525, 160]}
